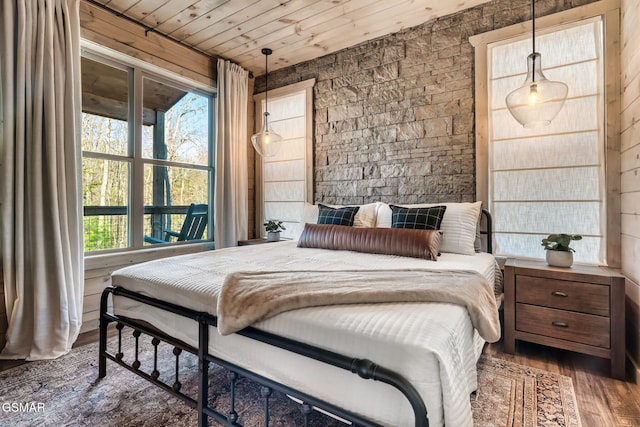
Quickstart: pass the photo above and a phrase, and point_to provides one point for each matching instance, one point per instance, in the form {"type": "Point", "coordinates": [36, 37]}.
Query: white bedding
{"type": "Point", "coordinates": [433, 345]}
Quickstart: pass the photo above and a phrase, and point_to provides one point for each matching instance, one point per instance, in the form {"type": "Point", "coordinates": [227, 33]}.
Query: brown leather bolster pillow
{"type": "Point", "coordinates": [389, 241]}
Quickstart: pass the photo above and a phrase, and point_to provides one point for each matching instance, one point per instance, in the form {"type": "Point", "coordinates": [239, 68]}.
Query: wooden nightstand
{"type": "Point", "coordinates": [580, 308]}
{"type": "Point", "coordinates": [258, 241]}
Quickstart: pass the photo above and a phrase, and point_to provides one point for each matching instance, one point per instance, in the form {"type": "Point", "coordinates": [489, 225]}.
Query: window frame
{"type": "Point", "coordinates": [609, 11]}
{"type": "Point", "coordinates": [307, 86]}
{"type": "Point", "coordinates": [139, 70]}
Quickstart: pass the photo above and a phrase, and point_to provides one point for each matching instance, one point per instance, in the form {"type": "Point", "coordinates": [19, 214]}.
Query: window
{"type": "Point", "coordinates": [551, 179]}
{"type": "Point", "coordinates": [286, 179]}
{"type": "Point", "coordinates": [141, 172]}
{"type": "Point", "coordinates": [106, 162]}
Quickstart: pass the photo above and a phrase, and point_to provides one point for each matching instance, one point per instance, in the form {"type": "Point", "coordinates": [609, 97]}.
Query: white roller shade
{"type": "Point", "coordinates": [284, 178]}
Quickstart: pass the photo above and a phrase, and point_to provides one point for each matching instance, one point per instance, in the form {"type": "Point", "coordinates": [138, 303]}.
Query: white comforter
{"type": "Point", "coordinates": [432, 344]}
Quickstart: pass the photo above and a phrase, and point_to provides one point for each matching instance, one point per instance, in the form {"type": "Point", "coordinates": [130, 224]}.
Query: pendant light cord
{"type": "Point", "coordinates": [533, 37]}
{"type": "Point", "coordinates": [266, 83]}
{"type": "Point", "coordinates": [533, 24]}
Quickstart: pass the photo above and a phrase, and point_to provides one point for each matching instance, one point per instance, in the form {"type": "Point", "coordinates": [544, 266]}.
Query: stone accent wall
{"type": "Point", "coordinates": [394, 117]}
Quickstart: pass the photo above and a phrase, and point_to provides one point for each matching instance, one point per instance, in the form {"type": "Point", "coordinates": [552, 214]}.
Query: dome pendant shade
{"type": "Point", "coordinates": [538, 100]}
{"type": "Point", "coordinates": [266, 143]}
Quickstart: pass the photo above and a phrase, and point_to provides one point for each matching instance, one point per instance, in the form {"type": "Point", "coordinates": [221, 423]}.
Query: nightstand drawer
{"type": "Point", "coordinates": [563, 294]}
{"type": "Point", "coordinates": [565, 325]}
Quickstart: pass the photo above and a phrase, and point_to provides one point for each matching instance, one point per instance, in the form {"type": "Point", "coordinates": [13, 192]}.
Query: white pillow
{"type": "Point", "coordinates": [458, 224]}
{"type": "Point", "coordinates": [365, 217]}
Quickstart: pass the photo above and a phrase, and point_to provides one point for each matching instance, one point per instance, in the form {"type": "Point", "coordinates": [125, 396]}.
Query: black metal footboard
{"type": "Point", "coordinates": [362, 367]}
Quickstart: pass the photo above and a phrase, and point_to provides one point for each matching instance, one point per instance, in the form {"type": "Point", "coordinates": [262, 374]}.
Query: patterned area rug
{"type": "Point", "coordinates": [64, 392]}
{"type": "Point", "coordinates": [514, 395]}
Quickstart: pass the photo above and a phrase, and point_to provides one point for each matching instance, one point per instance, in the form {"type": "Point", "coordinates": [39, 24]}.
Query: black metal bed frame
{"type": "Point", "coordinates": [364, 368]}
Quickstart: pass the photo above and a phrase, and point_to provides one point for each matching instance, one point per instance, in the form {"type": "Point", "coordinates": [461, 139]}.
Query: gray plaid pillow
{"type": "Point", "coordinates": [420, 218]}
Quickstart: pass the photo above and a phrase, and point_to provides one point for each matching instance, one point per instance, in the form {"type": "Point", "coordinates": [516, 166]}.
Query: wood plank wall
{"type": "Point", "coordinates": [630, 169]}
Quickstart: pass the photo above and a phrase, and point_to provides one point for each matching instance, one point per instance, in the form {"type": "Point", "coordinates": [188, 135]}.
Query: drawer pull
{"type": "Point", "coordinates": [559, 294]}
{"type": "Point", "coordinates": [560, 324]}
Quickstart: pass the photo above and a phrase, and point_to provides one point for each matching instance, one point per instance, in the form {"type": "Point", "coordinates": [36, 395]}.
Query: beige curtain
{"type": "Point", "coordinates": [40, 165]}
{"type": "Point", "coordinates": [231, 211]}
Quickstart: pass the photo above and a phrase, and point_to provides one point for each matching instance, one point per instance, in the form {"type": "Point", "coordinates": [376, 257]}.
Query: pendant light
{"type": "Point", "coordinates": [266, 142]}
{"type": "Point", "coordinates": [538, 100]}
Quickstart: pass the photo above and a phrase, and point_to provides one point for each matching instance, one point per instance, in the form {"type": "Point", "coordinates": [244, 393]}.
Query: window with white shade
{"type": "Point", "coordinates": [284, 181]}
{"type": "Point", "coordinates": [549, 179]}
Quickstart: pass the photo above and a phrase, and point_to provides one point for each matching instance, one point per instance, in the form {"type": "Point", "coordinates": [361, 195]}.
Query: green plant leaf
{"type": "Point", "coordinates": [560, 242]}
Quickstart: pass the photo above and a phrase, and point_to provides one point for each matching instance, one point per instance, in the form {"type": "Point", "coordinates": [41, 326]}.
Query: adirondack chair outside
{"type": "Point", "coordinates": [193, 226]}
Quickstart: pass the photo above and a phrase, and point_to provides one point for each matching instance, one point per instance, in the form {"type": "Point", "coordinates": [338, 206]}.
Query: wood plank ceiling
{"type": "Point", "coordinates": [296, 30]}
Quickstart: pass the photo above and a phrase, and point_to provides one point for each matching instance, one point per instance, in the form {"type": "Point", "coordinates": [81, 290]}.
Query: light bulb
{"type": "Point", "coordinates": [533, 94]}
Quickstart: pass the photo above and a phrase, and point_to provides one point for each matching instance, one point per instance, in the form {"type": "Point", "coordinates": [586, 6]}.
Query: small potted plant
{"type": "Point", "coordinates": [273, 228]}
{"type": "Point", "coordinates": [559, 254]}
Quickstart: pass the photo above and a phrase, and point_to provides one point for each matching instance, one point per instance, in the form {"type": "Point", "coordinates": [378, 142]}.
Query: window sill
{"type": "Point", "coordinates": [134, 256]}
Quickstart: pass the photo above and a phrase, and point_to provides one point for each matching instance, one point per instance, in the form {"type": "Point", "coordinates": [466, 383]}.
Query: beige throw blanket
{"type": "Point", "coordinates": [248, 297]}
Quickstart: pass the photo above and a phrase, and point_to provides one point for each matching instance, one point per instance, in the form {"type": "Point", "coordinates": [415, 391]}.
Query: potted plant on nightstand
{"type": "Point", "coordinates": [273, 228]}
{"type": "Point", "coordinates": [559, 254]}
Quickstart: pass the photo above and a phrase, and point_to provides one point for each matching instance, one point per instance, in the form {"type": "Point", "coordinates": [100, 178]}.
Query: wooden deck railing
{"type": "Point", "coordinates": [111, 231]}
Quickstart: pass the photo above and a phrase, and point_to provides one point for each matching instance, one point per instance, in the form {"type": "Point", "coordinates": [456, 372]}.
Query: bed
{"type": "Point", "coordinates": [422, 354]}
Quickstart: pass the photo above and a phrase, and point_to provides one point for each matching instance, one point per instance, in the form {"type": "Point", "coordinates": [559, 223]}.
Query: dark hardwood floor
{"type": "Point", "coordinates": [602, 401]}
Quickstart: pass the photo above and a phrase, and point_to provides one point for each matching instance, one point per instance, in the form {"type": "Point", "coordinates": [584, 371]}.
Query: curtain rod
{"type": "Point", "coordinates": [148, 29]}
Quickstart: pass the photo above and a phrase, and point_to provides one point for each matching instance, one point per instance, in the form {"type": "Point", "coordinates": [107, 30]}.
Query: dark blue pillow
{"type": "Point", "coordinates": [420, 218]}
{"type": "Point", "coordinates": [337, 216]}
